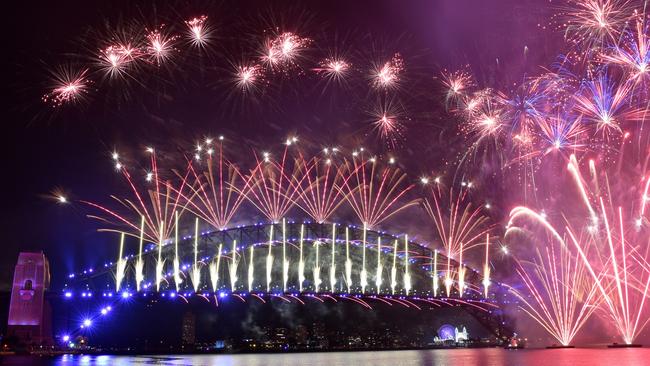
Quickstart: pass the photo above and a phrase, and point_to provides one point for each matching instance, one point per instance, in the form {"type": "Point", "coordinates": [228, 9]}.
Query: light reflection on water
{"type": "Point", "coordinates": [448, 357]}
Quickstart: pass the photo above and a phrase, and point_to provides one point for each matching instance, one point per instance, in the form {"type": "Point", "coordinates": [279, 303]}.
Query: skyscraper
{"type": "Point", "coordinates": [188, 335]}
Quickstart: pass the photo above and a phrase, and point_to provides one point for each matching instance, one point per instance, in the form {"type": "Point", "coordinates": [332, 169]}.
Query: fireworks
{"type": "Point", "coordinates": [284, 49]}
{"type": "Point", "coordinates": [593, 22]}
{"type": "Point", "coordinates": [612, 253]}
{"type": "Point", "coordinates": [333, 68]}
{"type": "Point", "coordinates": [605, 104]}
{"type": "Point", "coordinates": [68, 86]}
{"type": "Point", "coordinates": [116, 59]}
{"type": "Point", "coordinates": [198, 31]}
{"type": "Point", "coordinates": [588, 106]}
{"type": "Point", "coordinates": [633, 53]}
{"type": "Point", "coordinates": [562, 296]}
{"type": "Point", "coordinates": [459, 227]}
{"type": "Point", "coordinates": [318, 187]}
{"type": "Point", "coordinates": [374, 192]}
{"type": "Point", "coordinates": [160, 46]}
{"type": "Point", "coordinates": [218, 193]}
{"type": "Point", "coordinates": [157, 203]}
{"type": "Point", "coordinates": [387, 75]}
{"type": "Point", "coordinates": [456, 84]}
{"type": "Point", "coordinates": [246, 77]}
{"type": "Point", "coordinates": [273, 185]}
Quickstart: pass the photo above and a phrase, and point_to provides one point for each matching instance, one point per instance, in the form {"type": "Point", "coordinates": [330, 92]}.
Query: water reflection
{"type": "Point", "coordinates": [455, 357]}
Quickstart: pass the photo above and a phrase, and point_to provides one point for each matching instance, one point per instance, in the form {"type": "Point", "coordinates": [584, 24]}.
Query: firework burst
{"type": "Point", "coordinates": [159, 46]}
{"type": "Point", "coordinates": [604, 103]}
{"type": "Point", "coordinates": [387, 75]}
{"type": "Point", "coordinates": [198, 31]}
{"type": "Point", "coordinates": [68, 86]}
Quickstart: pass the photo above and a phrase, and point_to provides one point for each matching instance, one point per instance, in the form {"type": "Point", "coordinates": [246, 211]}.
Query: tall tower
{"type": "Point", "coordinates": [29, 313]}
{"type": "Point", "coordinates": [188, 335]}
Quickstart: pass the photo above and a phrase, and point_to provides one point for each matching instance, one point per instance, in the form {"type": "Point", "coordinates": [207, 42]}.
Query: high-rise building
{"type": "Point", "coordinates": [188, 335]}
{"type": "Point", "coordinates": [30, 315]}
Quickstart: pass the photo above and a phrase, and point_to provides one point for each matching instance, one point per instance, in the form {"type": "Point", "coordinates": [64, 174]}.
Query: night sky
{"type": "Point", "coordinates": [69, 148]}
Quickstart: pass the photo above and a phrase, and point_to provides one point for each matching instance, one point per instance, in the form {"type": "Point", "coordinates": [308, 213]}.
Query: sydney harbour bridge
{"type": "Point", "coordinates": [288, 262]}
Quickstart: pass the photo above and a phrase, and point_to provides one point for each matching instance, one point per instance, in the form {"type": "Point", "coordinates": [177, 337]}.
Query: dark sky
{"type": "Point", "coordinates": [69, 148]}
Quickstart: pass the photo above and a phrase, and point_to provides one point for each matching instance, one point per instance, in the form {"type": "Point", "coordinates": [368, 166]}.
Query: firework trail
{"type": "Point", "coordinates": [459, 226]}
{"type": "Point", "coordinates": [218, 193]}
{"type": "Point", "coordinates": [632, 53]}
{"type": "Point", "coordinates": [375, 194]}
{"type": "Point", "coordinates": [558, 292]}
{"type": "Point", "coordinates": [318, 187]}
{"type": "Point", "coordinates": [156, 203]}
{"type": "Point", "coordinates": [618, 266]}
{"type": "Point", "coordinates": [120, 268]}
{"type": "Point", "coordinates": [273, 186]}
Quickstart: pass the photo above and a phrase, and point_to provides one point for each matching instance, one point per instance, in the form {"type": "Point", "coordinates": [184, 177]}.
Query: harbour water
{"type": "Point", "coordinates": [440, 357]}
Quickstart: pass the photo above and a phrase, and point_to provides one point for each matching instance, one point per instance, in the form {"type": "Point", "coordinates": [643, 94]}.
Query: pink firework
{"type": "Point", "coordinates": [558, 292]}
{"type": "Point", "coordinates": [333, 68]}
{"type": "Point", "coordinates": [318, 187]}
{"type": "Point", "coordinates": [247, 77]}
{"type": "Point", "coordinates": [614, 251]}
{"type": "Point", "coordinates": [459, 225]}
{"type": "Point", "coordinates": [159, 46]}
{"type": "Point", "coordinates": [389, 129]}
{"type": "Point", "coordinates": [593, 22]}
{"type": "Point", "coordinates": [485, 115]}
{"type": "Point", "coordinates": [375, 193]}
{"type": "Point", "coordinates": [217, 193]}
{"type": "Point", "coordinates": [272, 186]}
{"type": "Point", "coordinates": [198, 30]}
{"type": "Point", "coordinates": [68, 87]}
{"type": "Point", "coordinates": [633, 53]}
{"type": "Point", "coordinates": [387, 75]}
{"type": "Point", "coordinates": [456, 84]}
{"type": "Point", "coordinates": [116, 59]}
{"type": "Point", "coordinates": [284, 49]}
{"type": "Point", "coordinates": [156, 203]}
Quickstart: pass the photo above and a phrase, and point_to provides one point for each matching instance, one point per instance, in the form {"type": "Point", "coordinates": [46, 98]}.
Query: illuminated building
{"type": "Point", "coordinates": [29, 313]}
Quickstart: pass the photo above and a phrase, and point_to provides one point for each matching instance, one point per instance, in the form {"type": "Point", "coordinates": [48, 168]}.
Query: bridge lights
{"type": "Point", "coordinates": [65, 338]}
{"type": "Point", "coordinates": [86, 323]}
